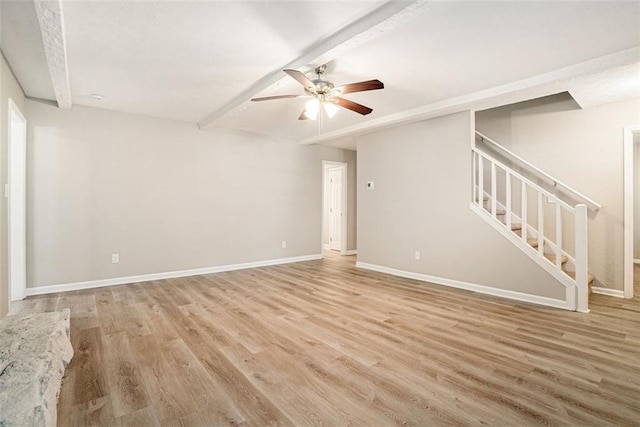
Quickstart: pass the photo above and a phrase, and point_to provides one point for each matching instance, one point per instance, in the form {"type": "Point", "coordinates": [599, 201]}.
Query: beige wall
{"type": "Point", "coordinates": [9, 89]}
{"type": "Point", "coordinates": [422, 177]}
{"type": "Point", "coordinates": [582, 148]}
{"type": "Point", "coordinates": [164, 195]}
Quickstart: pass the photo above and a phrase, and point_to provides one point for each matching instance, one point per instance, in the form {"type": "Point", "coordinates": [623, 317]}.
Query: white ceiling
{"type": "Point", "coordinates": [200, 62]}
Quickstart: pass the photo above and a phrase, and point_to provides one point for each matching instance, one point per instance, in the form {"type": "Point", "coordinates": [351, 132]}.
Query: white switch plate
{"type": "Point", "coordinates": [370, 185]}
{"type": "Point", "coordinates": [284, 244]}
{"type": "Point", "coordinates": [417, 256]}
{"type": "Point", "coordinates": [115, 258]}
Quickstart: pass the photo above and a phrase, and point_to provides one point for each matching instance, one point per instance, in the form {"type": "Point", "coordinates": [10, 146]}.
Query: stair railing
{"type": "Point", "coordinates": [486, 172]}
{"type": "Point", "coordinates": [570, 191]}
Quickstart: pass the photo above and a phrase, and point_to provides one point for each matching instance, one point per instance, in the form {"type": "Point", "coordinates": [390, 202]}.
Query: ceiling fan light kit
{"type": "Point", "coordinates": [326, 95]}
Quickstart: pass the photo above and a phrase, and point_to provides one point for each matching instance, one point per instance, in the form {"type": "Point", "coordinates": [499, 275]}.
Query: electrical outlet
{"type": "Point", "coordinates": [115, 258]}
{"type": "Point", "coordinates": [284, 244]}
{"type": "Point", "coordinates": [370, 185]}
{"type": "Point", "coordinates": [417, 255]}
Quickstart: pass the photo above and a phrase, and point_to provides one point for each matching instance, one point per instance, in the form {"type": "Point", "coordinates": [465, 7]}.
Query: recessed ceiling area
{"type": "Point", "coordinates": [201, 62]}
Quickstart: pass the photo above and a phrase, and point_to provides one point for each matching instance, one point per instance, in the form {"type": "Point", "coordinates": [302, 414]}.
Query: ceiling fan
{"type": "Point", "coordinates": [326, 95]}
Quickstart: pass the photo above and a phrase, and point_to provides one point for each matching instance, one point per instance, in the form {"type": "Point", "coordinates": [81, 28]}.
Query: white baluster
{"type": "Point", "coordinates": [523, 214]}
{"type": "Point", "coordinates": [474, 179]}
{"type": "Point", "coordinates": [481, 180]}
{"type": "Point", "coordinates": [493, 189]}
{"type": "Point", "coordinates": [558, 236]}
{"type": "Point", "coordinates": [508, 201]}
{"type": "Point", "coordinates": [540, 225]}
{"type": "Point", "coordinates": [582, 259]}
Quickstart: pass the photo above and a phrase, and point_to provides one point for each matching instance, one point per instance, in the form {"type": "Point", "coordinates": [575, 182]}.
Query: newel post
{"type": "Point", "coordinates": [582, 260]}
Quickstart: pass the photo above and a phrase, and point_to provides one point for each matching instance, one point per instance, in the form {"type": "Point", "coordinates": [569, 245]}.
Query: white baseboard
{"type": "Point", "coordinates": [49, 289]}
{"type": "Point", "coordinates": [352, 252]}
{"type": "Point", "coordinates": [504, 293]}
{"type": "Point", "coordinates": [326, 246]}
{"type": "Point", "coordinates": [606, 291]}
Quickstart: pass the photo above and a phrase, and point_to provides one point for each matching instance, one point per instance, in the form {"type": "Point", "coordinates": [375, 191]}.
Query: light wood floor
{"type": "Point", "coordinates": [323, 343]}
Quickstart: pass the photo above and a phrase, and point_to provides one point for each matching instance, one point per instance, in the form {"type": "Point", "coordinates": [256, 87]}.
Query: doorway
{"type": "Point", "coordinates": [631, 205]}
{"type": "Point", "coordinates": [16, 194]}
{"type": "Point", "coordinates": [334, 206]}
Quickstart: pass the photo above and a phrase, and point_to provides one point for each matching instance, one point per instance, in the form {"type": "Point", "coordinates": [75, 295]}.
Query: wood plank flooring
{"type": "Point", "coordinates": [321, 342]}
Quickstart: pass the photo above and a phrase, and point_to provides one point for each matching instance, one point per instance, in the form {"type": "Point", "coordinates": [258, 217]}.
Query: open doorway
{"type": "Point", "coordinates": [334, 206]}
{"type": "Point", "coordinates": [16, 194]}
{"type": "Point", "coordinates": [631, 206]}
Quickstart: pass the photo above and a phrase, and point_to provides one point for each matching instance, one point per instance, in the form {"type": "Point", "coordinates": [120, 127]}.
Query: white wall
{"type": "Point", "coordinates": [582, 148]}
{"type": "Point", "coordinates": [422, 177]}
{"type": "Point", "coordinates": [164, 195]}
{"type": "Point", "coordinates": [9, 88]}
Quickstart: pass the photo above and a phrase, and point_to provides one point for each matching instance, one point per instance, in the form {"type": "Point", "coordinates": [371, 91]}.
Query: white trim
{"type": "Point", "coordinates": [482, 289]}
{"type": "Point", "coordinates": [609, 292]}
{"type": "Point", "coordinates": [64, 287]}
{"type": "Point", "coordinates": [345, 200]}
{"type": "Point", "coordinates": [326, 246]}
{"type": "Point", "coordinates": [628, 207]}
{"type": "Point", "coordinates": [351, 252]}
{"type": "Point", "coordinates": [14, 106]}
{"type": "Point", "coordinates": [636, 261]}
{"type": "Point", "coordinates": [16, 228]}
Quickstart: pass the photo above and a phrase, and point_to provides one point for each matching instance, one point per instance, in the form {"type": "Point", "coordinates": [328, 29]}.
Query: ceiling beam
{"type": "Point", "coordinates": [390, 15]}
{"type": "Point", "coordinates": [51, 22]}
{"type": "Point", "coordinates": [545, 84]}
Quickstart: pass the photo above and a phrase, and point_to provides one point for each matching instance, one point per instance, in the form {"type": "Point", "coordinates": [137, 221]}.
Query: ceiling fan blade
{"type": "Point", "coordinates": [360, 86]}
{"type": "Point", "coordinates": [353, 106]}
{"type": "Point", "coordinates": [269, 98]}
{"type": "Point", "coordinates": [300, 77]}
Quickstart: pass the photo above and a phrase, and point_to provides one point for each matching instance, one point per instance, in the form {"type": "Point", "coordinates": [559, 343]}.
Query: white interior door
{"type": "Point", "coordinates": [17, 203]}
{"type": "Point", "coordinates": [335, 208]}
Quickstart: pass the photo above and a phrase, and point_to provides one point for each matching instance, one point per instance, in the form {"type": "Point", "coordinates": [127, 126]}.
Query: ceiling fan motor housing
{"type": "Point", "coordinates": [322, 87]}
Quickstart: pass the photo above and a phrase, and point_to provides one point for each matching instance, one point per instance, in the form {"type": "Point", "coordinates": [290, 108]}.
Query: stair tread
{"type": "Point", "coordinates": [499, 210]}
{"type": "Point", "coordinates": [519, 233]}
{"type": "Point", "coordinates": [533, 242]}
{"type": "Point", "coordinates": [516, 226]}
{"type": "Point", "coordinates": [552, 258]}
{"type": "Point", "coordinates": [572, 274]}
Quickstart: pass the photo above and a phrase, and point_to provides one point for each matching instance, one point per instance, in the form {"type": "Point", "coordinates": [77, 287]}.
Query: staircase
{"type": "Point", "coordinates": [543, 217]}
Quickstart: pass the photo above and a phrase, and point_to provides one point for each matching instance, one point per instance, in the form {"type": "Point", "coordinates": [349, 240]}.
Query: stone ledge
{"type": "Point", "coordinates": [34, 352]}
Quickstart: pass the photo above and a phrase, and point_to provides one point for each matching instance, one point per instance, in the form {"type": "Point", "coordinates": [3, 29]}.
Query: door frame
{"type": "Point", "coordinates": [629, 132]}
{"type": "Point", "coordinates": [17, 291]}
{"type": "Point", "coordinates": [326, 164]}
